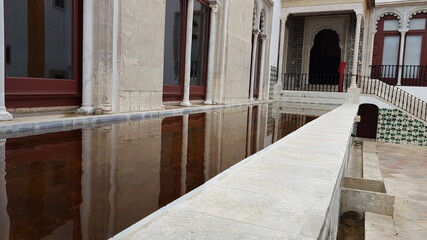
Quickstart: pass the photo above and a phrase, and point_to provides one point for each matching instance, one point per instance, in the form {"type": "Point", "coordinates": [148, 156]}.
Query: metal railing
{"type": "Point", "coordinates": [394, 95]}
{"type": "Point", "coordinates": [321, 82]}
{"type": "Point", "coordinates": [410, 75]}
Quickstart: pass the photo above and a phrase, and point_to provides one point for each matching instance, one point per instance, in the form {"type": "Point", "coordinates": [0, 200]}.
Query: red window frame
{"type": "Point", "coordinates": [176, 92]}
{"type": "Point", "coordinates": [422, 77]}
{"type": "Point", "coordinates": [46, 92]}
{"type": "Point", "coordinates": [377, 57]}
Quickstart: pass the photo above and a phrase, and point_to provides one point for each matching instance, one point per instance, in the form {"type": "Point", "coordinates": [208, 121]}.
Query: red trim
{"type": "Point", "coordinates": [377, 58]}
{"type": "Point", "coordinates": [45, 92]}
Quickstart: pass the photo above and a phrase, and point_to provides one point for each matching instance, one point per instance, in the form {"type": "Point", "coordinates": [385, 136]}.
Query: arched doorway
{"type": "Point", "coordinates": [325, 57]}
{"type": "Point", "coordinates": [367, 128]}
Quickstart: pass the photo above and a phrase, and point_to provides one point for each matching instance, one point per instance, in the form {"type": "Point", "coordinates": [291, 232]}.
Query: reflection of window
{"type": "Point", "coordinates": [59, 4]}
{"type": "Point", "coordinates": [8, 56]}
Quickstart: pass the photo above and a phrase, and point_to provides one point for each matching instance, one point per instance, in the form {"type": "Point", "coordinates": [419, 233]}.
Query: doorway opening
{"type": "Point", "coordinates": [367, 128]}
{"type": "Point", "coordinates": [325, 57]}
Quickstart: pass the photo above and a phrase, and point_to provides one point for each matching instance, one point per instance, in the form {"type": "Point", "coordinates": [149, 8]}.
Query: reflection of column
{"type": "Point", "coordinates": [4, 115]}
{"type": "Point", "coordinates": [276, 129]}
{"type": "Point", "coordinates": [112, 193]}
{"type": "Point", "coordinates": [261, 75]}
{"type": "Point", "coordinates": [207, 153]}
{"type": "Point", "coordinates": [85, 209]}
{"type": "Point", "coordinates": [212, 43]}
{"type": "Point", "coordinates": [219, 141]}
{"type": "Point", "coordinates": [254, 62]}
{"type": "Point", "coordinates": [4, 216]}
{"type": "Point", "coordinates": [189, 38]}
{"type": "Point", "coordinates": [87, 105]}
{"type": "Point", "coordinates": [184, 154]}
{"type": "Point", "coordinates": [258, 129]}
{"type": "Point", "coordinates": [402, 49]}
{"type": "Point", "coordinates": [356, 50]}
{"type": "Point", "coordinates": [249, 135]}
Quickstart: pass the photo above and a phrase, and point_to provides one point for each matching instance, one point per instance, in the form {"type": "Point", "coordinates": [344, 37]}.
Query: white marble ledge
{"type": "Point", "coordinates": [31, 125]}
{"type": "Point", "coordinates": [285, 191]}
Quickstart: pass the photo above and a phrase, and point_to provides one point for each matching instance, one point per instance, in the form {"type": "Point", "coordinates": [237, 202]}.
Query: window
{"type": "Point", "coordinates": [175, 47]}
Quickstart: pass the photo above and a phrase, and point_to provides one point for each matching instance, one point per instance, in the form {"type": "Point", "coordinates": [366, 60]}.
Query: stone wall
{"type": "Point", "coordinates": [141, 49]}
{"type": "Point", "coordinates": [239, 48]}
{"type": "Point", "coordinates": [395, 126]}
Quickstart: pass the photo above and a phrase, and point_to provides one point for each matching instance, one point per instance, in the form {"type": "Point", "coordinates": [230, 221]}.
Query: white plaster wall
{"type": "Point", "coordinates": [375, 101]}
{"type": "Point", "coordinates": [419, 92]}
{"type": "Point", "coordinates": [275, 32]}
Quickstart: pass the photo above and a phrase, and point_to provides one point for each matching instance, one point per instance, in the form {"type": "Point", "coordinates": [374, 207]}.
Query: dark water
{"type": "Point", "coordinates": [94, 182]}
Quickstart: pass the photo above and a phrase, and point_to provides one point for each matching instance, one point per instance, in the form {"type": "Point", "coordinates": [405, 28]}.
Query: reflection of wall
{"type": "Point", "coordinates": [137, 168]}
{"type": "Point", "coordinates": [17, 24]}
{"type": "Point", "coordinates": [234, 133]}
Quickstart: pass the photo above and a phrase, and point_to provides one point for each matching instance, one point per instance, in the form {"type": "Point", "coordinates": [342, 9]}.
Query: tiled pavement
{"type": "Point", "coordinates": [404, 169]}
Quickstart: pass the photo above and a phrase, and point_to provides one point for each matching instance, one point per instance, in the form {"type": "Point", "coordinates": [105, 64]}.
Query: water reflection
{"type": "Point", "coordinates": [94, 182]}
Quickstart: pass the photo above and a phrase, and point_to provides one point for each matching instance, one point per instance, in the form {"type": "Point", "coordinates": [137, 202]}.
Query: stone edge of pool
{"type": "Point", "coordinates": [289, 190]}
{"type": "Point", "coordinates": [18, 129]}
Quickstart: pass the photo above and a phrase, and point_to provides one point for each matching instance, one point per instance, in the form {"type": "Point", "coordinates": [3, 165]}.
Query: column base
{"type": "Point", "coordinates": [353, 95]}
{"type": "Point", "coordinates": [251, 100]}
{"type": "Point", "coordinates": [185, 104]}
{"type": "Point", "coordinates": [5, 115]}
{"type": "Point", "coordinates": [86, 110]}
{"type": "Point", "coordinates": [208, 102]}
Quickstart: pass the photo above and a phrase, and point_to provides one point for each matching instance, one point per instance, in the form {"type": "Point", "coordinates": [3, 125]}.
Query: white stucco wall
{"type": "Point", "coordinates": [376, 101]}
{"type": "Point", "coordinates": [419, 92]}
{"type": "Point", "coordinates": [275, 32]}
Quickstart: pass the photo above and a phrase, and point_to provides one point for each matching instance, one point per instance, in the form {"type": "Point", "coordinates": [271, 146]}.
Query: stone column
{"type": "Point", "coordinates": [261, 79]}
{"type": "Point", "coordinates": [187, 75]}
{"type": "Point", "coordinates": [85, 206]}
{"type": "Point", "coordinates": [184, 154]}
{"type": "Point", "coordinates": [255, 33]}
{"type": "Point", "coordinates": [87, 75]}
{"type": "Point", "coordinates": [211, 60]}
{"type": "Point", "coordinates": [356, 50]}
{"type": "Point", "coordinates": [4, 115]}
{"type": "Point", "coordinates": [401, 51]}
{"type": "Point", "coordinates": [281, 50]}
{"type": "Point", "coordinates": [4, 216]}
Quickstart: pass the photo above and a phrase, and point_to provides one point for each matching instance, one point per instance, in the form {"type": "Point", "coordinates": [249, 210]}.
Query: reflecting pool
{"type": "Point", "coordinates": [94, 182]}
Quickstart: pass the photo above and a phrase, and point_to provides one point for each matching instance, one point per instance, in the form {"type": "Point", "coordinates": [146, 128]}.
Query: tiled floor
{"type": "Point", "coordinates": [404, 169]}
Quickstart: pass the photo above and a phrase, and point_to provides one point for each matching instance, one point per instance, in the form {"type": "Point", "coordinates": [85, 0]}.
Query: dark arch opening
{"type": "Point", "coordinates": [325, 57]}
{"type": "Point", "coordinates": [367, 128]}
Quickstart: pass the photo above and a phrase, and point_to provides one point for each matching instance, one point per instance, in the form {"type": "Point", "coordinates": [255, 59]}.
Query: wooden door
{"type": "Point", "coordinates": [367, 128]}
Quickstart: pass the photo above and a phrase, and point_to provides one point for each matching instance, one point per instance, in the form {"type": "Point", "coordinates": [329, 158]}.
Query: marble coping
{"type": "Point", "coordinates": [25, 126]}
{"type": "Point", "coordinates": [289, 190]}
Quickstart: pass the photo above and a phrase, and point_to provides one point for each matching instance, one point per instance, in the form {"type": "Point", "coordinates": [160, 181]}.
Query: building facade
{"type": "Point", "coordinates": [124, 56]}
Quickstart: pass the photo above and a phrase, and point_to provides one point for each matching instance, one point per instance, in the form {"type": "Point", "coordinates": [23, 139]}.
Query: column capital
{"type": "Point", "coordinates": [214, 5]}
{"type": "Point", "coordinates": [403, 31]}
{"type": "Point", "coordinates": [359, 13]}
{"type": "Point", "coordinates": [263, 35]}
{"type": "Point", "coordinates": [256, 32]}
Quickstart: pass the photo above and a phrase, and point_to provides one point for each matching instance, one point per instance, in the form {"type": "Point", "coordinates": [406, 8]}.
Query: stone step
{"type": "Point", "coordinates": [379, 227]}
